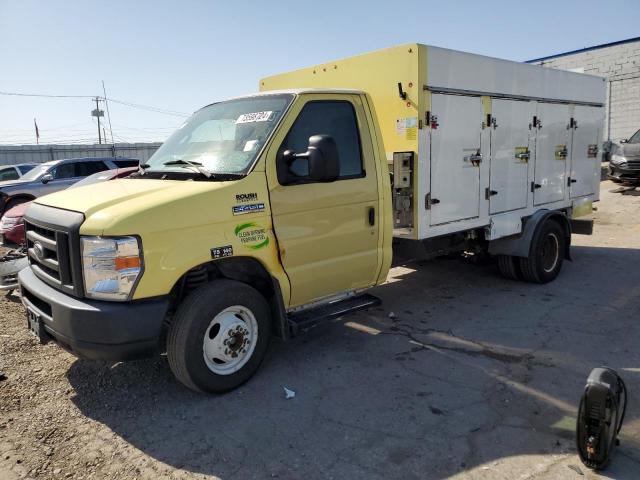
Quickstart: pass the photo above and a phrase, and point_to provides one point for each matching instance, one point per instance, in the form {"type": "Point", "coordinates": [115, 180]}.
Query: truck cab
{"type": "Point", "coordinates": [256, 208]}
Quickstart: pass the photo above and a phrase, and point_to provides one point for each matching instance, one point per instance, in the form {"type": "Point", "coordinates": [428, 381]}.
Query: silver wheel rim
{"type": "Point", "coordinates": [550, 252]}
{"type": "Point", "coordinates": [229, 340]}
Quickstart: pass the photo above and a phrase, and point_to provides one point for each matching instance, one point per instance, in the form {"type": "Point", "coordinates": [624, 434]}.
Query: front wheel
{"type": "Point", "coordinates": [219, 336]}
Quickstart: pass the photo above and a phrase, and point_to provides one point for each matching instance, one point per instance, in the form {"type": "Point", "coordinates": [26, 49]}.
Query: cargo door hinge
{"type": "Point", "coordinates": [428, 201]}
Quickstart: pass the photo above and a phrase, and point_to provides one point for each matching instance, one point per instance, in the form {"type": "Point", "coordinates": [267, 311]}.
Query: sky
{"type": "Point", "coordinates": [179, 56]}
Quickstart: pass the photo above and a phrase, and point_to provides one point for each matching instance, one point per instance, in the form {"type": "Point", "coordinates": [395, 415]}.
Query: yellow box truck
{"type": "Point", "coordinates": [267, 213]}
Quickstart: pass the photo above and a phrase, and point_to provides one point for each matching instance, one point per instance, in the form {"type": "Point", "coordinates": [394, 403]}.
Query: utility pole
{"type": "Point", "coordinates": [98, 113]}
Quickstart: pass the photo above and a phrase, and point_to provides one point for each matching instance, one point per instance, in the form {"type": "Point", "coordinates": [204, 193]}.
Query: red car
{"type": "Point", "coordinates": [11, 225]}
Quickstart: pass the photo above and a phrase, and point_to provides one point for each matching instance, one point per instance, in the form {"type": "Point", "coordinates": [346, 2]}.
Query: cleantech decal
{"type": "Point", "coordinates": [252, 235]}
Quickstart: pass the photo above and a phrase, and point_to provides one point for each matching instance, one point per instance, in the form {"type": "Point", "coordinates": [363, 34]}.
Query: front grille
{"type": "Point", "coordinates": [48, 252]}
{"type": "Point", "coordinates": [633, 164]}
{"type": "Point", "coordinates": [52, 237]}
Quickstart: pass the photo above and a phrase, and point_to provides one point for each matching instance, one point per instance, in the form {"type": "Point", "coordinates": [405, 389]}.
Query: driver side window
{"type": "Point", "coordinates": [66, 170]}
{"type": "Point", "coordinates": [336, 118]}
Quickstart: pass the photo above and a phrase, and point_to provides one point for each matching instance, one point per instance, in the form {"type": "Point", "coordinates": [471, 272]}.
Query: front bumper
{"type": "Point", "coordinates": [94, 329]}
{"type": "Point", "coordinates": [623, 172]}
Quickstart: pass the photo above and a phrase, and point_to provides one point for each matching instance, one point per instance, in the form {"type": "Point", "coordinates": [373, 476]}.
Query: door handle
{"type": "Point", "coordinates": [535, 186]}
{"type": "Point", "coordinates": [523, 156]}
{"type": "Point", "coordinates": [372, 216]}
{"type": "Point", "coordinates": [474, 159]}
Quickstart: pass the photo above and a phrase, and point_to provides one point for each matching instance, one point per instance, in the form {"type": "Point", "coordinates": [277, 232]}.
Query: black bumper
{"type": "Point", "coordinates": [94, 329]}
{"type": "Point", "coordinates": [619, 172]}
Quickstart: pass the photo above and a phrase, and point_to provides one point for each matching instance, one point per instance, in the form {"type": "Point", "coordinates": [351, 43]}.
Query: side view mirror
{"type": "Point", "coordinates": [46, 178]}
{"type": "Point", "coordinates": [322, 158]}
{"type": "Point", "coordinates": [624, 140]}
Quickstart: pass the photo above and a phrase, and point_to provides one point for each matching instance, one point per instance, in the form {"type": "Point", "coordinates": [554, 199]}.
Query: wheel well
{"type": "Point", "coordinates": [242, 269]}
{"type": "Point", "coordinates": [26, 198]}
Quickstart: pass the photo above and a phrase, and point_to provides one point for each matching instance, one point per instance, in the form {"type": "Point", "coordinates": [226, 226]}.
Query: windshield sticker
{"type": "Point", "coordinates": [254, 117]}
{"type": "Point", "coordinates": [252, 235]}
{"type": "Point", "coordinates": [242, 209]}
{"type": "Point", "coordinates": [250, 145]}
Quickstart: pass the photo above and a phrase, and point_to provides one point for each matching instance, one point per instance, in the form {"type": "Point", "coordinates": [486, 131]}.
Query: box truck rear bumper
{"type": "Point", "coordinates": [92, 329]}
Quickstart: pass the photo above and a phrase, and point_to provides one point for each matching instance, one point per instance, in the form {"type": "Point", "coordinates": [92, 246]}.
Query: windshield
{"type": "Point", "coordinates": [36, 173]}
{"type": "Point", "coordinates": [635, 138]}
{"type": "Point", "coordinates": [224, 138]}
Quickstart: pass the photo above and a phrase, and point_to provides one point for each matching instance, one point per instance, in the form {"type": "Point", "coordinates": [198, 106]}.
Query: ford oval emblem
{"type": "Point", "coordinates": [38, 249]}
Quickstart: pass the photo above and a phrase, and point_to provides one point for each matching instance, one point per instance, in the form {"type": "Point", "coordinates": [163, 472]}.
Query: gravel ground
{"type": "Point", "coordinates": [460, 374]}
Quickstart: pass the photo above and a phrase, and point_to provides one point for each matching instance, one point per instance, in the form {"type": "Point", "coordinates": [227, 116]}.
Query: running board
{"type": "Point", "coordinates": [310, 318]}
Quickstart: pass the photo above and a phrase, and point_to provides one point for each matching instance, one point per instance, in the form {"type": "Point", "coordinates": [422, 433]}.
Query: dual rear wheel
{"type": "Point", "coordinates": [544, 263]}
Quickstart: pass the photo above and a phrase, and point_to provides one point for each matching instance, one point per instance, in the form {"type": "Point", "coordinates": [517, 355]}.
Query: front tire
{"type": "Point", "coordinates": [219, 336]}
{"type": "Point", "coordinates": [547, 254]}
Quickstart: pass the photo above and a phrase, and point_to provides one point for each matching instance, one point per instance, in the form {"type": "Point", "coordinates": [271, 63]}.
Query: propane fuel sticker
{"type": "Point", "coordinates": [252, 235]}
{"type": "Point", "coordinates": [401, 126]}
{"type": "Point", "coordinates": [254, 117]}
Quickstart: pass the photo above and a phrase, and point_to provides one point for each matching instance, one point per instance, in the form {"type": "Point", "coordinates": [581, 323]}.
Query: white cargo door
{"type": "Point", "coordinates": [552, 149]}
{"type": "Point", "coordinates": [455, 157]}
{"type": "Point", "coordinates": [585, 164]}
{"type": "Point", "coordinates": [510, 155]}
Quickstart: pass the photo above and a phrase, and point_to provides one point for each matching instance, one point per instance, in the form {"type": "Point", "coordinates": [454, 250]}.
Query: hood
{"type": "Point", "coordinates": [123, 206]}
{"type": "Point", "coordinates": [629, 150]}
{"type": "Point", "coordinates": [13, 183]}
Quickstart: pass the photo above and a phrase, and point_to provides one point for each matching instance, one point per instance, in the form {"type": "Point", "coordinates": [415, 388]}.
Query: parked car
{"type": "Point", "coordinates": [11, 225]}
{"type": "Point", "coordinates": [53, 176]}
{"type": "Point", "coordinates": [625, 160]}
{"type": "Point", "coordinates": [14, 172]}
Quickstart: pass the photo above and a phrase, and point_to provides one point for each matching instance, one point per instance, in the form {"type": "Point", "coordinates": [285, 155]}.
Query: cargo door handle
{"type": "Point", "coordinates": [372, 216]}
{"type": "Point", "coordinates": [474, 159]}
{"type": "Point", "coordinates": [570, 181]}
{"type": "Point", "coordinates": [535, 186]}
{"type": "Point", "coordinates": [489, 193]}
{"type": "Point", "coordinates": [523, 156]}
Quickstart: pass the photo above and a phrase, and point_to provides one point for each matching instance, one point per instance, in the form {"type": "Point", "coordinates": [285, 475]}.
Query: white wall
{"type": "Point", "coordinates": [620, 64]}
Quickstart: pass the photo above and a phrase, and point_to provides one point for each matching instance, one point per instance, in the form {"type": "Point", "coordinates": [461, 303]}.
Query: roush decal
{"type": "Point", "coordinates": [246, 197]}
{"type": "Point", "coordinates": [252, 235]}
{"type": "Point", "coordinates": [242, 209]}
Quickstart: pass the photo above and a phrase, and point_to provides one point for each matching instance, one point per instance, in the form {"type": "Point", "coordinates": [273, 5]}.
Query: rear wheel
{"type": "Point", "coordinates": [547, 254]}
{"type": "Point", "coordinates": [219, 336]}
{"type": "Point", "coordinates": [509, 267]}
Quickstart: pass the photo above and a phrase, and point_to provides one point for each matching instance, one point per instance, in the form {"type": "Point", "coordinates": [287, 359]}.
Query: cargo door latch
{"type": "Point", "coordinates": [428, 201]}
{"type": "Point", "coordinates": [488, 193]}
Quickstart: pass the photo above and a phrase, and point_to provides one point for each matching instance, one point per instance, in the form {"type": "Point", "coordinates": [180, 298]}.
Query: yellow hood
{"type": "Point", "coordinates": [138, 206]}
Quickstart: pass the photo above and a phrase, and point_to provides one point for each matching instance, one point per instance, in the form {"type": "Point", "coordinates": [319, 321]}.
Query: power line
{"type": "Point", "coordinates": [121, 102]}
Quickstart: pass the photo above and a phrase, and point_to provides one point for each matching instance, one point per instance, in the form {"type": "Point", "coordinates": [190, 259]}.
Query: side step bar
{"type": "Point", "coordinates": [306, 319]}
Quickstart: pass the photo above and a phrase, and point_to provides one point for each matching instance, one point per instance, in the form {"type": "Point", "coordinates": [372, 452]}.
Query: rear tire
{"type": "Point", "coordinates": [219, 336]}
{"type": "Point", "coordinates": [509, 267]}
{"type": "Point", "coordinates": [547, 254]}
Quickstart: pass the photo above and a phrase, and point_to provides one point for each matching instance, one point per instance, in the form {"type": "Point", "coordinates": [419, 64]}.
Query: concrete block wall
{"type": "Point", "coordinates": [620, 64]}
{"type": "Point", "coordinates": [14, 154]}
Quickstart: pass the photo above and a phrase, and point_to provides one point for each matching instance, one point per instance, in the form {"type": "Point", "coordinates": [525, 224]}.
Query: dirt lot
{"type": "Point", "coordinates": [472, 376]}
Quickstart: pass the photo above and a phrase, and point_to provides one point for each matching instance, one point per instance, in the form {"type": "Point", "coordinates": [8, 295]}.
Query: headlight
{"type": "Point", "coordinates": [110, 267]}
{"type": "Point", "coordinates": [618, 159]}
{"type": "Point", "coordinates": [8, 222]}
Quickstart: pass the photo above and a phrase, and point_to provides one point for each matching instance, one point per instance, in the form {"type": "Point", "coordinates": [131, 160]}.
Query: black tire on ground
{"type": "Point", "coordinates": [509, 267]}
{"type": "Point", "coordinates": [547, 254]}
{"type": "Point", "coordinates": [185, 339]}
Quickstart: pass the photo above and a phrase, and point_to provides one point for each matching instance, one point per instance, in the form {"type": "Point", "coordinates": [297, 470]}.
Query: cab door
{"type": "Point", "coordinates": [327, 233]}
